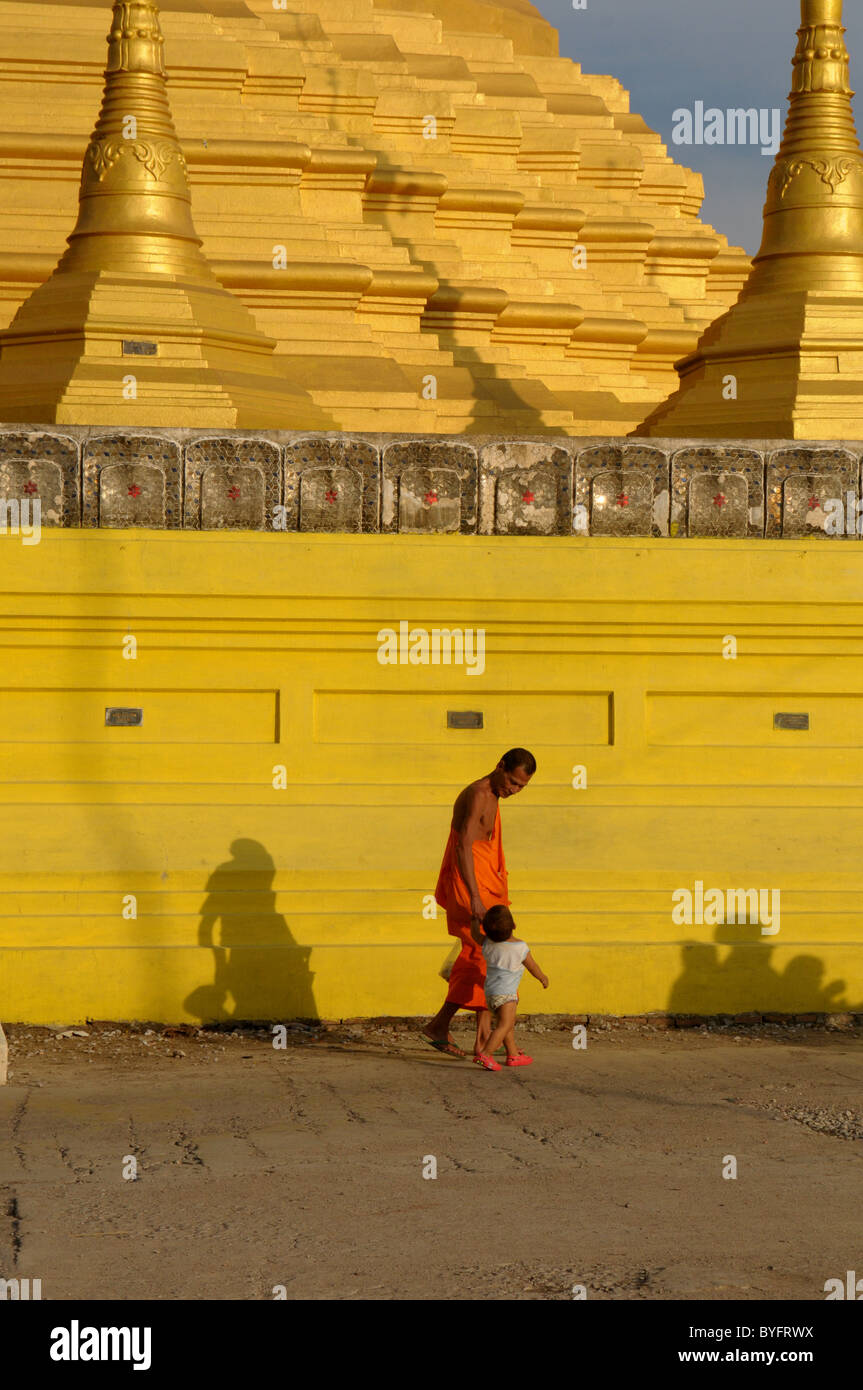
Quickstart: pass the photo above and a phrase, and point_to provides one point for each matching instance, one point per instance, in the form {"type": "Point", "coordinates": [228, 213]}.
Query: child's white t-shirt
{"type": "Point", "coordinates": [504, 965]}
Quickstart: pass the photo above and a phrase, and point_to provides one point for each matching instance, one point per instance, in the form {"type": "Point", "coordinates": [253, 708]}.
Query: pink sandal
{"type": "Point", "coordinates": [483, 1060]}
{"type": "Point", "coordinates": [522, 1060]}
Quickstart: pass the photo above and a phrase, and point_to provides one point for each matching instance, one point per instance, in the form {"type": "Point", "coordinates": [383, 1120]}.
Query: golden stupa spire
{"type": "Point", "coordinates": [135, 208]}
{"type": "Point", "coordinates": [813, 217]}
{"type": "Point", "coordinates": [133, 296]}
{"type": "Point", "coordinates": [785, 361]}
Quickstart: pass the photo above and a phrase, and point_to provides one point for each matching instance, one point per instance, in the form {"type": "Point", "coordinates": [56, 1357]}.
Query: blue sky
{"type": "Point", "coordinates": [672, 53]}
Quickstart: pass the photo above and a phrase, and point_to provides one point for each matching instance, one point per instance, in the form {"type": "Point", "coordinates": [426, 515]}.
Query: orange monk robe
{"type": "Point", "coordinates": [467, 979]}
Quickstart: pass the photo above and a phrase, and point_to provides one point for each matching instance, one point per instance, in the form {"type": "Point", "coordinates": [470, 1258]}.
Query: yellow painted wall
{"type": "Point", "coordinates": [261, 649]}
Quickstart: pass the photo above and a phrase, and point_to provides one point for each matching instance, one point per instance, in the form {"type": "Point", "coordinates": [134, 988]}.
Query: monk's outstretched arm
{"type": "Point", "coordinates": [470, 831]}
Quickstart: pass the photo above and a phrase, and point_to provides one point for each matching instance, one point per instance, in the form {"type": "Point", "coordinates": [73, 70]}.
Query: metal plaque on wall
{"type": "Point", "coordinates": [119, 717]}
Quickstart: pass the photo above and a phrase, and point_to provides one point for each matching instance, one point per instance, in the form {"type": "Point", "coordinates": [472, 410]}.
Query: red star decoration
{"type": "Point", "coordinates": [623, 500]}
{"type": "Point", "coordinates": [30, 487]}
{"type": "Point", "coordinates": [813, 503]}
{"type": "Point", "coordinates": [134, 490]}
{"type": "Point", "coordinates": [431, 498]}
{"type": "Point", "coordinates": [332, 495]}
{"type": "Point", "coordinates": [528, 497]}
{"type": "Point", "coordinates": [719, 500]}
{"type": "Point", "coordinates": [233, 492]}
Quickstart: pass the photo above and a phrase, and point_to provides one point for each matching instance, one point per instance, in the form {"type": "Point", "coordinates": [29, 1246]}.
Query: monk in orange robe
{"type": "Point", "coordinates": [472, 879]}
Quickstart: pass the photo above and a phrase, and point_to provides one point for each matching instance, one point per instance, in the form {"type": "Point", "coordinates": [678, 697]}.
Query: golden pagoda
{"type": "Point", "coordinates": [133, 327]}
{"type": "Point", "coordinates": [444, 226]}
{"type": "Point", "coordinates": [786, 362]}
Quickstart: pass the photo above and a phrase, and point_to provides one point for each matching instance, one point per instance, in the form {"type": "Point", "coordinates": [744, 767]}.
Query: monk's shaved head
{"type": "Point", "coordinates": [518, 757]}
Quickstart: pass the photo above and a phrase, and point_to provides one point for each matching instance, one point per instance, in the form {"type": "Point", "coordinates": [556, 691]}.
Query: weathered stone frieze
{"type": "Point", "coordinates": [351, 484]}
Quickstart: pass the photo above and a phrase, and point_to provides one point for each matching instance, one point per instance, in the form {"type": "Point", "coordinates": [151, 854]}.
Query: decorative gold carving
{"type": "Point", "coordinates": [154, 155]}
{"type": "Point", "coordinates": [830, 171]}
{"type": "Point", "coordinates": [135, 43]}
{"type": "Point", "coordinates": [103, 155]}
{"type": "Point", "coordinates": [821, 61]}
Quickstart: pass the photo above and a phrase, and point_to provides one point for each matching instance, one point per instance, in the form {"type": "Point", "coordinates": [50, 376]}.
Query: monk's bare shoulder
{"type": "Point", "coordinates": [477, 800]}
{"type": "Point", "coordinates": [464, 804]}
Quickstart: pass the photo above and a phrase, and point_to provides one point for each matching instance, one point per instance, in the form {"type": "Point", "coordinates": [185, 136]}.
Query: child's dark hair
{"type": "Point", "coordinates": [498, 923]}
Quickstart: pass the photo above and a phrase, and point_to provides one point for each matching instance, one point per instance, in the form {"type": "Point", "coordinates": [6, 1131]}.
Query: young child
{"type": "Point", "coordinates": [506, 959]}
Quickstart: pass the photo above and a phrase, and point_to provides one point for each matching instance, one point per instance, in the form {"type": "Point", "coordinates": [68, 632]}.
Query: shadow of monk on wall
{"type": "Point", "coordinates": [260, 973]}
{"type": "Point", "coordinates": [744, 979]}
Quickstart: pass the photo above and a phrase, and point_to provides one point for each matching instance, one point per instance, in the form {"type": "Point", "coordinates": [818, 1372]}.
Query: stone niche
{"type": "Point", "coordinates": [332, 484]}
{"type": "Point", "coordinates": [717, 490]}
{"type": "Point", "coordinates": [622, 491]}
{"type": "Point", "coordinates": [132, 480]}
{"type": "Point", "coordinates": [429, 487]}
{"type": "Point", "coordinates": [525, 488]}
{"type": "Point", "coordinates": [232, 484]}
{"type": "Point", "coordinates": [331, 499]}
{"type": "Point", "coordinates": [35, 464]}
{"type": "Point", "coordinates": [807, 492]}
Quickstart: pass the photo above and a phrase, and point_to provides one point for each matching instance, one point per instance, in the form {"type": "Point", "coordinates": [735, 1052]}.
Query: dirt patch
{"type": "Point", "coordinates": [164, 1163]}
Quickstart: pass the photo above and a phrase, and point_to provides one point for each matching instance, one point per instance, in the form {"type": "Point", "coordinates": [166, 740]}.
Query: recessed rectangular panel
{"type": "Point", "coordinates": [800, 722]}
{"type": "Point", "coordinates": [518, 717]}
{"type": "Point", "coordinates": [166, 716]}
{"type": "Point", "coordinates": [463, 719]}
{"type": "Point", "coordinates": [694, 719]}
{"type": "Point", "coordinates": [124, 718]}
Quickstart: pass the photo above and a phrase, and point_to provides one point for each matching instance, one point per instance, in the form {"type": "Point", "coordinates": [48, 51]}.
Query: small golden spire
{"type": "Point", "coordinates": [813, 217]}
{"type": "Point", "coordinates": [785, 361]}
{"type": "Point", "coordinates": [135, 208]}
{"type": "Point", "coordinates": [134, 277]}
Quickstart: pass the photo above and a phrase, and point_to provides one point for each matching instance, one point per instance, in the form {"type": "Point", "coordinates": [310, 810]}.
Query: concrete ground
{"type": "Point", "coordinates": [303, 1167]}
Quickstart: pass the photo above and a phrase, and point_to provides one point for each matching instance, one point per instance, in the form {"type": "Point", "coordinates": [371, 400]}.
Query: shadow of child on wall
{"type": "Point", "coordinates": [746, 981]}
{"type": "Point", "coordinates": [260, 972]}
